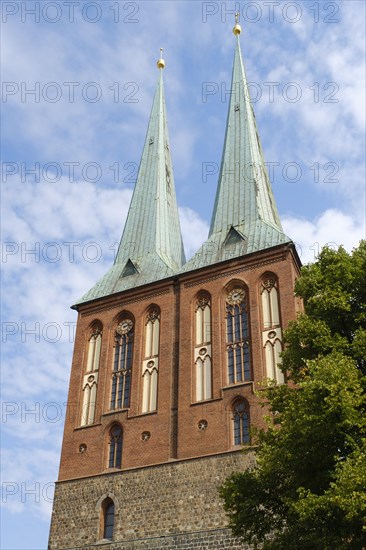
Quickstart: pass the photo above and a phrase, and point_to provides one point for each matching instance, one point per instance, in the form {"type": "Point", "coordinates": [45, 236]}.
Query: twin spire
{"type": "Point", "coordinates": [151, 239]}
{"type": "Point", "coordinates": [245, 217]}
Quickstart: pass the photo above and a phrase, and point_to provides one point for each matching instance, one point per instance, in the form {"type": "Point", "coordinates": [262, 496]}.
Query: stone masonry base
{"type": "Point", "coordinates": [171, 506]}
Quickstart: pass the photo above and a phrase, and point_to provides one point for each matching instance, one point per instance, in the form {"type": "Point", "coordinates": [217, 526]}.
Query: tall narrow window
{"type": "Point", "coordinates": [237, 343]}
{"type": "Point", "coordinates": [240, 422]}
{"type": "Point", "coordinates": [202, 349]}
{"type": "Point", "coordinates": [150, 365]}
{"type": "Point", "coordinates": [90, 379]}
{"type": "Point", "coordinates": [122, 365]}
{"type": "Point", "coordinates": [115, 447]}
{"type": "Point", "coordinates": [108, 518]}
{"type": "Point", "coordinates": [271, 331]}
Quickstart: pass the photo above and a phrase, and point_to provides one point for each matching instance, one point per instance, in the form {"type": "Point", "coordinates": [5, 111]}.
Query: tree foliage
{"type": "Point", "coordinates": [308, 490]}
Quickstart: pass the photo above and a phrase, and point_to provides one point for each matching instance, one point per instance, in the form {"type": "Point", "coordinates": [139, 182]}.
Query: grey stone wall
{"type": "Point", "coordinates": [216, 538]}
{"type": "Point", "coordinates": [170, 506]}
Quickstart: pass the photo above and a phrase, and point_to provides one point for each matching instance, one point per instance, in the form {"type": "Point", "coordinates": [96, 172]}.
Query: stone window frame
{"type": "Point", "coordinates": [267, 282]}
{"type": "Point", "coordinates": [202, 348]}
{"type": "Point", "coordinates": [241, 344]}
{"type": "Point", "coordinates": [93, 347]}
{"type": "Point", "coordinates": [100, 509]}
{"type": "Point", "coordinates": [117, 447]}
{"type": "Point", "coordinates": [123, 353]}
{"type": "Point", "coordinates": [271, 326]}
{"type": "Point", "coordinates": [244, 439]}
{"type": "Point", "coordinates": [150, 362]}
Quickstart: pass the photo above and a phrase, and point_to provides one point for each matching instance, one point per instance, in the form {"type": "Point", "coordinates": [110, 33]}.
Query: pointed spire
{"type": "Point", "coordinates": [152, 224]}
{"type": "Point", "coordinates": [245, 217]}
{"type": "Point", "coordinates": [151, 247]}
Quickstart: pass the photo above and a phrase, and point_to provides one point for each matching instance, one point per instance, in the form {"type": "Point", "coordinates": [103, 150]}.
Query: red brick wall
{"type": "Point", "coordinates": [173, 428]}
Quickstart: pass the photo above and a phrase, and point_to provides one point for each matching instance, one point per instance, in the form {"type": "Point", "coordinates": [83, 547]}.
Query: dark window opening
{"type": "Point", "coordinates": [115, 447]}
{"type": "Point", "coordinates": [108, 519]}
{"type": "Point", "coordinates": [241, 423]}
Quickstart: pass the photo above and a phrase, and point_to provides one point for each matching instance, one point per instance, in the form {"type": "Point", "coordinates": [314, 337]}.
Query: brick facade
{"type": "Point", "coordinates": [175, 498]}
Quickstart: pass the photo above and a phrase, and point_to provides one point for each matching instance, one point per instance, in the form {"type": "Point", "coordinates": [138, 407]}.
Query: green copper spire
{"type": "Point", "coordinates": [245, 217]}
{"type": "Point", "coordinates": [151, 247]}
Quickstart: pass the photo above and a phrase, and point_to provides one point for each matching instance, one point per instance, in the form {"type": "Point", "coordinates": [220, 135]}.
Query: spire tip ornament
{"type": "Point", "coordinates": [160, 62]}
{"type": "Point", "coordinates": [237, 27]}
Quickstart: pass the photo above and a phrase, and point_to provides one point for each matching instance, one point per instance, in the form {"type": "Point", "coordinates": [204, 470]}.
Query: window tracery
{"type": "Point", "coordinates": [115, 447]}
{"type": "Point", "coordinates": [150, 365]}
{"type": "Point", "coordinates": [122, 365]}
{"type": "Point", "coordinates": [237, 336]}
{"type": "Point", "coordinates": [240, 421]}
{"type": "Point", "coordinates": [202, 349]}
{"type": "Point", "coordinates": [271, 331]}
{"type": "Point", "coordinates": [90, 379]}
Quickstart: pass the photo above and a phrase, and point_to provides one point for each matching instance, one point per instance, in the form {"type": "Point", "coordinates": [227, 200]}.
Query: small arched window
{"type": "Point", "coordinates": [150, 365]}
{"type": "Point", "coordinates": [90, 379]}
{"type": "Point", "coordinates": [237, 336]}
{"type": "Point", "coordinates": [240, 422]}
{"type": "Point", "coordinates": [122, 365]}
{"type": "Point", "coordinates": [108, 518]}
{"type": "Point", "coordinates": [115, 447]}
{"type": "Point", "coordinates": [202, 349]}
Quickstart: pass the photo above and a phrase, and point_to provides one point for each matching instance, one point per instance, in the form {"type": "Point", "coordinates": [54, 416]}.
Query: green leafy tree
{"type": "Point", "coordinates": [308, 490]}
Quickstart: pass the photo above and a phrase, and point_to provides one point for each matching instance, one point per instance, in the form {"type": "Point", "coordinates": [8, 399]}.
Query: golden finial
{"type": "Point", "coordinates": [237, 28]}
{"type": "Point", "coordinates": [160, 62]}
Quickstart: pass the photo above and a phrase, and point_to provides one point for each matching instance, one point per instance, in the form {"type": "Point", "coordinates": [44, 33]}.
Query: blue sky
{"type": "Point", "coordinates": [92, 66]}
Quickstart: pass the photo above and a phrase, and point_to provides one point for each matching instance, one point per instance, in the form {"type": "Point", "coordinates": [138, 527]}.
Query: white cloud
{"type": "Point", "coordinates": [333, 228]}
{"type": "Point", "coordinates": [107, 131]}
{"type": "Point", "coordinates": [28, 481]}
{"type": "Point", "coordinates": [194, 230]}
{"type": "Point", "coordinates": [38, 325]}
{"type": "Point", "coordinates": [52, 234]}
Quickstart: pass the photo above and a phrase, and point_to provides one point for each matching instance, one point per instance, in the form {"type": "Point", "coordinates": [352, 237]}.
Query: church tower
{"type": "Point", "coordinates": [168, 354]}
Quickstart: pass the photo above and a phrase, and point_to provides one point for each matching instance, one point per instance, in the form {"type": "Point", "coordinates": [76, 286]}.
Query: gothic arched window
{"type": "Point", "coordinates": [240, 422]}
{"type": "Point", "coordinates": [270, 307]}
{"type": "Point", "coordinates": [150, 365]}
{"type": "Point", "coordinates": [271, 331]}
{"type": "Point", "coordinates": [108, 518]}
{"type": "Point", "coordinates": [202, 349]}
{"type": "Point", "coordinates": [90, 379]}
{"type": "Point", "coordinates": [115, 447]}
{"type": "Point", "coordinates": [122, 365]}
{"type": "Point", "coordinates": [237, 336]}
